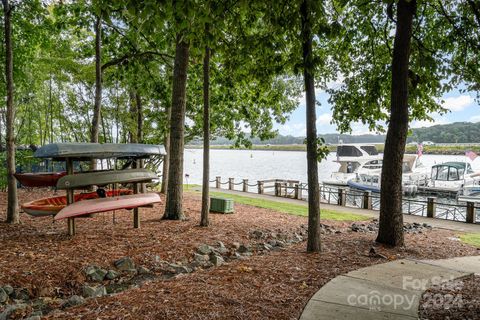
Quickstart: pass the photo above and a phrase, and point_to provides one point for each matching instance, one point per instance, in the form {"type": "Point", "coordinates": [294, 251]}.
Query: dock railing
{"type": "Point", "coordinates": [468, 212]}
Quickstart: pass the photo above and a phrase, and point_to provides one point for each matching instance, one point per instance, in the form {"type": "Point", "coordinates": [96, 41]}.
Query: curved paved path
{"type": "Point", "coordinates": [385, 291]}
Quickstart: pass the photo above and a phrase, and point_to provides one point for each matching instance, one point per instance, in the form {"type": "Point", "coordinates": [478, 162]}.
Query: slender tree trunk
{"type": "Point", "coordinates": [391, 217]}
{"type": "Point", "coordinates": [138, 100]}
{"type": "Point", "coordinates": [174, 203]}
{"type": "Point", "coordinates": [132, 133]}
{"type": "Point", "coordinates": [12, 201]}
{"type": "Point", "coordinates": [139, 113]}
{"type": "Point", "coordinates": [98, 80]}
{"type": "Point", "coordinates": [206, 137]}
{"type": "Point", "coordinates": [313, 243]}
{"type": "Point", "coordinates": [166, 160]}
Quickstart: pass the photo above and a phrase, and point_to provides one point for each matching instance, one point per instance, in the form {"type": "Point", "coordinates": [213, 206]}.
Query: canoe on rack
{"type": "Point", "coordinates": [79, 209]}
{"type": "Point", "coordinates": [39, 179]}
{"type": "Point", "coordinates": [101, 178]}
{"type": "Point", "coordinates": [51, 206]}
{"type": "Point", "coordinates": [88, 151]}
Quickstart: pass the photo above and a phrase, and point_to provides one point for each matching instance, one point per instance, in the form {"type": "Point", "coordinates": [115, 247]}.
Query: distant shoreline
{"type": "Point", "coordinates": [440, 150]}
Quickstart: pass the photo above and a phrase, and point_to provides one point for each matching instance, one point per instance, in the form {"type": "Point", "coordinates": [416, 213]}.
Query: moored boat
{"type": "Point", "coordinates": [352, 158]}
{"type": "Point", "coordinates": [453, 176]}
{"type": "Point", "coordinates": [39, 179]}
{"type": "Point", "coordinates": [51, 206]}
{"type": "Point", "coordinates": [101, 178]}
{"type": "Point", "coordinates": [108, 204]}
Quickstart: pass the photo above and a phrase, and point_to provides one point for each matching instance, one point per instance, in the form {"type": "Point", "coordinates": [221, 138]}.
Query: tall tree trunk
{"type": "Point", "coordinates": [12, 201]}
{"type": "Point", "coordinates": [391, 218]}
{"type": "Point", "coordinates": [138, 102]}
{"type": "Point", "coordinates": [98, 80]}
{"type": "Point", "coordinates": [166, 160]}
{"type": "Point", "coordinates": [313, 243]}
{"type": "Point", "coordinates": [132, 133]}
{"type": "Point", "coordinates": [206, 137]}
{"type": "Point", "coordinates": [174, 203]}
{"type": "Point", "coordinates": [139, 113]}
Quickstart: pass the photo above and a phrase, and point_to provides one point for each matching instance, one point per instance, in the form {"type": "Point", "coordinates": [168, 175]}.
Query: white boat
{"type": "Point", "coordinates": [369, 176]}
{"type": "Point", "coordinates": [352, 157]}
{"type": "Point", "coordinates": [454, 177]}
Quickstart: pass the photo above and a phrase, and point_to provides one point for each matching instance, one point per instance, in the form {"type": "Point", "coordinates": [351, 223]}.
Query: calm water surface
{"type": "Point", "coordinates": [260, 165]}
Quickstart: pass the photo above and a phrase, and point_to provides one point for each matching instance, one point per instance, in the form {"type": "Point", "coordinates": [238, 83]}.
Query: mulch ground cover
{"type": "Point", "coordinates": [40, 257]}
{"type": "Point", "coordinates": [454, 300]}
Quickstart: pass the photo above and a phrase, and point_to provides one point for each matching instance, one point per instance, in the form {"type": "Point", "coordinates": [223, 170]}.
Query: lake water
{"type": "Point", "coordinates": [261, 165]}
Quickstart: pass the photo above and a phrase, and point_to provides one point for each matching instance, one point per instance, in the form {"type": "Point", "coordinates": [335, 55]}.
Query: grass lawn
{"type": "Point", "coordinates": [471, 238]}
{"type": "Point", "coordinates": [290, 208]}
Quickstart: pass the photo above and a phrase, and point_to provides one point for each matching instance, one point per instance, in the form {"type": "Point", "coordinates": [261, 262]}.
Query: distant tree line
{"type": "Point", "coordinates": [458, 132]}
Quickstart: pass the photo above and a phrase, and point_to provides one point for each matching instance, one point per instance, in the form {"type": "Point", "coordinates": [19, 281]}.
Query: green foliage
{"type": "Point", "coordinates": [363, 55]}
{"type": "Point", "coordinates": [24, 159]}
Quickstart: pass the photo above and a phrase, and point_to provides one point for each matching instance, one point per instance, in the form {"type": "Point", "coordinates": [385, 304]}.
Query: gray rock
{"type": "Point", "coordinates": [20, 294]}
{"type": "Point", "coordinates": [267, 247]}
{"type": "Point", "coordinates": [200, 258]}
{"type": "Point", "coordinates": [8, 289]}
{"type": "Point", "coordinates": [221, 248]}
{"type": "Point", "coordinates": [124, 263]}
{"type": "Point", "coordinates": [112, 275]}
{"type": "Point", "coordinates": [3, 296]}
{"type": "Point", "coordinates": [298, 238]}
{"type": "Point", "coordinates": [36, 313]}
{"type": "Point", "coordinates": [33, 318]}
{"type": "Point", "coordinates": [13, 309]}
{"type": "Point", "coordinates": [236, 245]}
{"type": "Point", "coordinates": [216, 260]}
{"type": "Point", "coordinates": [258, 234]}
{"type": "Point", "coordinates": [204, 249]}
{"type": "Point", "coordinates": [243, 248]}
{"type": "Point", "coordinates": [94, 291]}
{"type": "Point", "coordinates": [117, 287]}
{"type": "Point", "coordinates": [73, 301]}
{"type": "Point", "coordinates": [143, 270]}
{"type": "Point", "coordinates": [96, 273]}
{"type": "Point", "coordinates": [175, 268]}
{"type": "Point", "coordinates": [280, 243]}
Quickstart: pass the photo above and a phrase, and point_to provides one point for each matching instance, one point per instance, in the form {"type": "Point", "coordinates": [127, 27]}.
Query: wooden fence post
{"type": "Point", "coordinates": [217, 182]}
{"type": "Point", "coordinates": [277, 189]}
{"type": "Point", "coordinates": [245, 185]}
{"type": "Point", "coordinates": [470, 212]}
{"type": "Point", "coordinates": [342, 197]}
{"type": "Point", "coordinates": [260, 187]}
{"type": "Point", "coordinates": [297, 191]}
{"type": "Point", "coordinates": [230, 183]}
{"type": "Point", "coordinates": [367, 200]}
{"type": "Point", "coordinates": [431, 207]}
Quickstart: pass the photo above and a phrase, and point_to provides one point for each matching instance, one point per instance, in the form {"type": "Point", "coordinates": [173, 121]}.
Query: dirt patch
{"type": "Point", "coordinates": [454, 300]}
{"type": "Point", "coordinates": [38, 255]}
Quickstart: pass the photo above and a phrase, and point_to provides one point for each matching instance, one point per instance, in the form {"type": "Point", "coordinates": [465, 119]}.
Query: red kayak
{"type": "Point", "coordinates": [50, 206]}
{"type": "Point", "coordinates": [78, 209]}
{"type": "Point", "coordinates": [39, 179]}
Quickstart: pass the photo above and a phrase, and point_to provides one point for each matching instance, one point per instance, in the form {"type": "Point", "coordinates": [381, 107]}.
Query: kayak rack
{"type": "Point", "coordinates": [70, 152]}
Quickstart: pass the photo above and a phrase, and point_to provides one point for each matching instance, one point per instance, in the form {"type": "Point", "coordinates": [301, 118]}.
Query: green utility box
{"type": "Point", "coordinates": [221, 205]}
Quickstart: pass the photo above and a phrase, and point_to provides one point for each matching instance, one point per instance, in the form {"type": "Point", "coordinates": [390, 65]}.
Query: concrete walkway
{"type": "Point", "coordinates": [437, 223]}
{"type": "Point", "coordinates": [391, 290]}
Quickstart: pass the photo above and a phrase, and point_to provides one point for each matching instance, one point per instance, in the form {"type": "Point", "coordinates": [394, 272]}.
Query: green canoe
{"type": "Point", "coordinates": [100, 178]}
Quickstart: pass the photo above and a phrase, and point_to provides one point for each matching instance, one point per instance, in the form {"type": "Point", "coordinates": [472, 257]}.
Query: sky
{"type": "Point", "coordinates": [461, 106]}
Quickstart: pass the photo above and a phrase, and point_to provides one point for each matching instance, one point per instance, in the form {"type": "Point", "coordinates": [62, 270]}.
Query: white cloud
{"type": "Point", "coordinates": [324, 119]}
{"type": "Point", "coordinates": [294, 129]}
{"type": "Point", "coordinates": [436, 119]}
{"type": "Point", "coordinates": [457, 103]}
{"type": "Point", "coordinates": [475, 119]}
